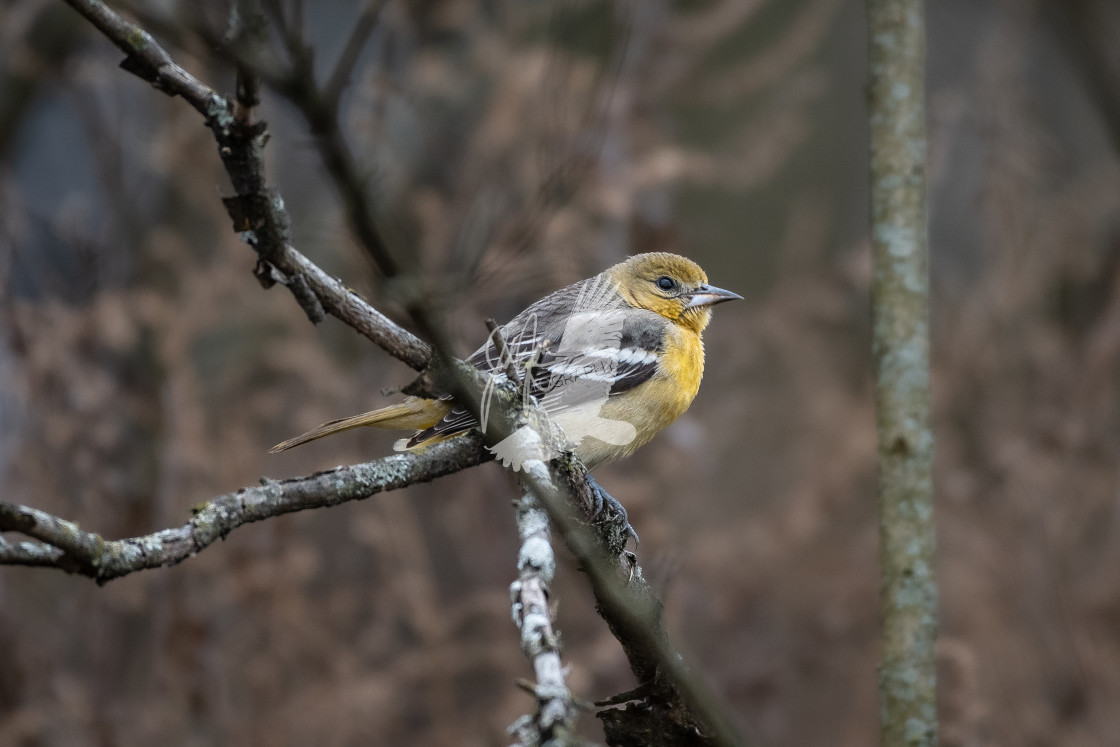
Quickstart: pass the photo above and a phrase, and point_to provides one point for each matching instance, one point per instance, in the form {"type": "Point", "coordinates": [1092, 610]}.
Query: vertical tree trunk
{"type": "Point", "coordinates": [900, 299]}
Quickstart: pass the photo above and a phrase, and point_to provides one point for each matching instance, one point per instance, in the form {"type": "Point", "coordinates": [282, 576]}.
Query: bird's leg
{"type": "Point", "coordinates": [597, 506]}
{"type": "Point", "coordinates": [605, 508]}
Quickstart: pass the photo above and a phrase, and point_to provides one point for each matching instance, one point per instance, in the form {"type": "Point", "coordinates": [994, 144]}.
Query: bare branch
{"type": "Point", "coordinates": [352, 309]}
{"type": "Point", "coordinates": [149, 60]}
{"type": "Point", "coordinates": [247, 28]}
{"type": "Point", "coordinates": [75, 550]}
{"type": "Point", "coordinates": [320, 109]}
{"type": "Point", "coordinates": [363, 27]}
{"type": "Point", "coordinates": [258, 212]}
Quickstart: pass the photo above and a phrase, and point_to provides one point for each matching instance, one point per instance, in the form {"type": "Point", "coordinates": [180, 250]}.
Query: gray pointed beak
{"type": "Point", "coordinates": [709, 295]}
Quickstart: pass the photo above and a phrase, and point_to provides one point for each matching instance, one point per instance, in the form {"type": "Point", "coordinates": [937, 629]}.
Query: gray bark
{"type": "Point", "coordinates": [900, 298]}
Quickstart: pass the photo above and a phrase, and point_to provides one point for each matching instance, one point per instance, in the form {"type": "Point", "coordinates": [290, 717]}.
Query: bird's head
{"type": "Point", "coordinates": [670, 285]}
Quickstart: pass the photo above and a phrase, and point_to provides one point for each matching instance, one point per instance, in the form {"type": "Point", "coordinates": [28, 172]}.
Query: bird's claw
{"type": "Point", "coordinates": [606, 508]}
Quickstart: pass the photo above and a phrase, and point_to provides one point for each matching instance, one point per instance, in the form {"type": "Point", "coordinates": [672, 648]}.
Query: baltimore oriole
{"type": "Point", "coordinates": [615, 358]}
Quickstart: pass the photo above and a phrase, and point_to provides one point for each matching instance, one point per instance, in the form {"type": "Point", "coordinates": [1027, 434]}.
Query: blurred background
{"type": "Point", "coordinates": [514, 147]}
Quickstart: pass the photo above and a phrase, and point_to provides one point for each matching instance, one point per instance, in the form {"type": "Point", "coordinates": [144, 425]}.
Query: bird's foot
{"type": "Point", "coordinates": [605, 509]}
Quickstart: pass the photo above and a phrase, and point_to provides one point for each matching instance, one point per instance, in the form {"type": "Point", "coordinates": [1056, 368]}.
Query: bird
{"type": "Point", "coordinates": [612, 360]}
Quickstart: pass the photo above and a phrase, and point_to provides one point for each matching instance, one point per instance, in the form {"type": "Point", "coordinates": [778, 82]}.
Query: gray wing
{"type": "Point", "coordinates": [590, 346]}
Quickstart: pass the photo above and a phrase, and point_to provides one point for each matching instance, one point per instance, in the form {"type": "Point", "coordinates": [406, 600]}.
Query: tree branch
{"type": "Point", "coordinates": [34, 554]}
{"type": "Point", "coordinates": [673, 708]}
{"type": "Point", "coordinates": [555, 713]}
{"type": "Point", "coordinates": [363, 27]}
{"type": "Point", "coordinates": [319, 108]}
{"type": "Point", "coordinates": [74, 550]}
{"type": "Point", "coordinates": [257, 211]}
{"type": "Point", "coordinates": [149, 60]}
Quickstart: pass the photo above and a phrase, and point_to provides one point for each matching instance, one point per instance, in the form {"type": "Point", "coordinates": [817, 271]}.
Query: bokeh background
{"type": "Point", "coordinates": [514, 147]}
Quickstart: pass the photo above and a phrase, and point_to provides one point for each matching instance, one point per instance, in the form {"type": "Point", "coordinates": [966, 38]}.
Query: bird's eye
{"type": "Point", "coordinates": [666, 283]}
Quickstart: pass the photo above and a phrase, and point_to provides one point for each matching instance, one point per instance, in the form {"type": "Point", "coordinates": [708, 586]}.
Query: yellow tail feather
{"type": "Point", "coordinates": [415, 413]}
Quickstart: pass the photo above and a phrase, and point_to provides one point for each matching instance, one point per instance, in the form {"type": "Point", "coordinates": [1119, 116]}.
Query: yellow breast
{"type": "Point", "coordinates": [655, 404]}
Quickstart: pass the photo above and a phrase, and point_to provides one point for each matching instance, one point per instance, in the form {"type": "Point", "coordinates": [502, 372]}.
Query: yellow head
{"type": "Point", "coordinates": [670, 285]}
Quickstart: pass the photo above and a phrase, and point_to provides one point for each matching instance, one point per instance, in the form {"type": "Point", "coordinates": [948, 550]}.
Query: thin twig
{"type": "Point", "coordinates": [247, 28]}
{"type": "Point", "coordinates": [35, 554]}
{"type": "Point", "coordinates": [149, 60]}
{"type": "Point", "coordinates": [352, 50]}
{"type": "Point", "coordinates": [500, 348]}
{"type": "Point", "coordinates": [321, 114]}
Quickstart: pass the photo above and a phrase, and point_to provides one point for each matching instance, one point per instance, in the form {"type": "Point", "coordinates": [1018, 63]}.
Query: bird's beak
{"type": "Point", "coordinates": [708, 295]}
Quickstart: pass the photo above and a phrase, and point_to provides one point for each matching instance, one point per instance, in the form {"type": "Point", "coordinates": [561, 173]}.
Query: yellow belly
{"type": "Point", "coordinates": [603, 432]}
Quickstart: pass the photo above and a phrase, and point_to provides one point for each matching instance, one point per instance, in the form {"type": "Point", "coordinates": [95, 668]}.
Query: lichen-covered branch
{"type": "Point", "coordinates": [33, 554]}
{"type": "Point", "coordinates": [900, 298]}
{"type": "Point", "coordinates": [69, 547]}
{"type": "Point", "coordinates": [554, 717]}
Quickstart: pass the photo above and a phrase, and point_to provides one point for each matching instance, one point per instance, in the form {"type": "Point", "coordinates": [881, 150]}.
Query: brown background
{"type": "Point", "coordinates": [515, 147]}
